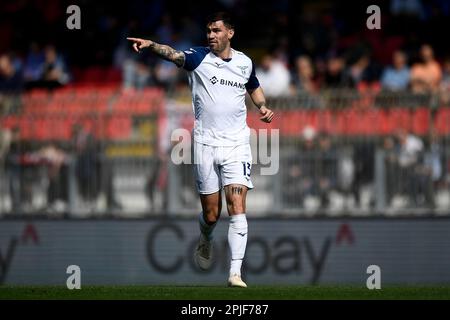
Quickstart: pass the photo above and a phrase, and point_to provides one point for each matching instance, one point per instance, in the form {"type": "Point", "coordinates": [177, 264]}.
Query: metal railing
{"type": "Point", "coordinates": [130, 173]}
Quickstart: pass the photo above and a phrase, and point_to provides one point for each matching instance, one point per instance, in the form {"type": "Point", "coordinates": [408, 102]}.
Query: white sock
{"type": "Point", "coordinates": [237, 240]}
{"type": "Point", "coordinates": [206, 229]}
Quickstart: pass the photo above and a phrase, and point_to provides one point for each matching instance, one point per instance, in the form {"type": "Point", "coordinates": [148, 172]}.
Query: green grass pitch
{"type": "Point", "coordinates": [224, 293]}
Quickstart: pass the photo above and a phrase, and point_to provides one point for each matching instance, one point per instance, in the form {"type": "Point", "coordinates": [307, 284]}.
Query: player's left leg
{"type": "Point", "coordinates": [237, 232]}
{"type": "Point", "coordinates": [235, 170]}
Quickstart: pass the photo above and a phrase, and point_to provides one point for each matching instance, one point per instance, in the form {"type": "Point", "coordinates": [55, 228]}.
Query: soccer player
{"type": "Point", "coordinates": [219, 78]}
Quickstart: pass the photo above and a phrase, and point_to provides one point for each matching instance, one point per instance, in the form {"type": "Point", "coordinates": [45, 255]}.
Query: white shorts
{"type": "Point", "coordinates": [217, 167]}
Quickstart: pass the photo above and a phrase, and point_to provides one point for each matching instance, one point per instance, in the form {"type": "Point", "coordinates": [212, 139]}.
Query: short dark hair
{"type": "Point", "coordinates": [218, 16]}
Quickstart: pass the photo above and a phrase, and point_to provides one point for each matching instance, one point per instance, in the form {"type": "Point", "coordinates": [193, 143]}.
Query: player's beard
{"type": "Point", "coordinates": [217, 47]}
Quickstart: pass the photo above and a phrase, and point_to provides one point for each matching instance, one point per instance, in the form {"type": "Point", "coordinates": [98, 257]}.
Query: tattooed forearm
{"type": "Point", "coordinates": [167, 53]}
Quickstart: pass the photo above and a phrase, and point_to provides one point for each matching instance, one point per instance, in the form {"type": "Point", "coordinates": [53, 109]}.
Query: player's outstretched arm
{"type": "Point", "coordinates": [164, 51]}
{"type": "Point", "coordinates": [259, 100]}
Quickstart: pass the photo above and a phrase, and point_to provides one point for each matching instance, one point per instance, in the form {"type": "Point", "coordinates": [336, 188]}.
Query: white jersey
{"type": "Point", "coordinates": [218, 96]}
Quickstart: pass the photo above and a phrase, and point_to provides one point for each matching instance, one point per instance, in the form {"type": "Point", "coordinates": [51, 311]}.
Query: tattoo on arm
{"type": "Point", "coordinates": [168, 53]}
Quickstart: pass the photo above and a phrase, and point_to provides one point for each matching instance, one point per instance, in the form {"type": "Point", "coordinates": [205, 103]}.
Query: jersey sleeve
{"type": "Point", "coordinates": [252, 82]}
{"type": "Point", "coordinates": [193, 57]}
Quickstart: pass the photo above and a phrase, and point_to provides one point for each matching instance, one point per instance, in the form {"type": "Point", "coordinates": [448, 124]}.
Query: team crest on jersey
{"type": "Point", "coordinates": [243, 69]}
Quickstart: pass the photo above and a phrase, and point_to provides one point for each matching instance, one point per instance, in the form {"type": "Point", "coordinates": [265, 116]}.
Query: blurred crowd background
{"type": "Point", "coordinates": [364, 115]}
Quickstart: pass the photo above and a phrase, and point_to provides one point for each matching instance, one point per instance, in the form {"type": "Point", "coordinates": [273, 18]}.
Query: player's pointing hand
{"type": "Point", "coordinates": [139, 44]}
{"type": "Point", "coordinates": [267, 114]}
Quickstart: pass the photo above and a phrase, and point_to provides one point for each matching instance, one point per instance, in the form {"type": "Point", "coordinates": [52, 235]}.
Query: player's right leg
{"type": "Point", "coordinates": [211, 205]}
{"type": "Point", "coordinates": [208, 186]}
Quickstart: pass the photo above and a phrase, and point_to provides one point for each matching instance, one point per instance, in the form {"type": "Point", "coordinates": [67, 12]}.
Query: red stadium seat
{"type": "Point", "coordinates": [384, 125]}
{"type": "Point", "coordinates": [399, 118]}
{"type": "Point", "coordinates": [94, 75]}
{"type": "Point", "coordinates": [26, 125]}
{"type": "Point", "coordinates": [9, 121]}
{"type": "Point", "coordinates": [421, 120]}
{"type": "Point", "coordinates": [442, 121]}
{"type": "Point", "coordinates": [252, 120]}
{"type": "Point", "coordinates": [290, 123]}
{"type": "Point", "coordinates": [368, 122]}
{"type": "Point", "coordinates": [325, 121]}
{"type": "Point", "coordinates": [118, 127]}
{"type": "Point", "coordinates": [61, 127]}
{"type": "Point", "coordinates": [113, 75]}
{"type": "Point", "coordinates": [40, 129]}
{"type": "Point", "coordinates": [340, 122]}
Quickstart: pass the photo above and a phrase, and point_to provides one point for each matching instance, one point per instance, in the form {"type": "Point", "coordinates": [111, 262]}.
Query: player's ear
{"type": "Point", "coordinates": [230, 33]}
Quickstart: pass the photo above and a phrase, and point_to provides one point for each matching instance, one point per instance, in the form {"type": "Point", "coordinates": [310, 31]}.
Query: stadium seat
{"type": "Point", "coordinates": [26, 125]}
{"type": "Point", "coordinates": [60, 127]}
{"type": "Point", "coordinates": [118, 127]}
{"type": "Point", "coordinates": [252, 120]}
{"type": "Point", "coordinates": [356, 121]}
{"type": "Point", "coordinates": [113, 75]}
{"type": "Point", "coordinates": [9, 121]}
{"type": "Point", "coordinates": [325, 121]}
{"type": "Point", "coordinates": [384, 125]}
{"type": "Point", "coordinates": [340, 122]}
{"type": "Point", "coordinates": [420, 120]}
{"type": "Point", "coordinates": [399, 118]}
{"type": "Point", "coordinates": [290, 123]}
{"type": "Point", "coordinates": [442, 121]}
{"type": "Point", "coordinates": [93, 75]}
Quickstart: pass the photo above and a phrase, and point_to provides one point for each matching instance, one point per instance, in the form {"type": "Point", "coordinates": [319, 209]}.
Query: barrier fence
{"type": "Point", "coordinates": [78, 152]}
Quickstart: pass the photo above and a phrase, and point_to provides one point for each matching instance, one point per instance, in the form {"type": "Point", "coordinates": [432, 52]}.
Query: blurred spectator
{"type": "Point", "coordinates": [281, 49]}
{"type": "Point", "coordinates": [327, 169]}
{"type": "Point", "coordinates": [334, 74]}
{"type": "Point", "coordinates": [20, 186]}
{"type": "Point", "coordinates": [136, 74]}
{"type": "Point", "coordinates": [360, 71]}
{"type": "Point", "coordinates": [363, 159]}
{"type": "Point", "coordinates": [429, 172]}
{"type": "Point", "coordinates": [396, 77]}
{"type": "Point", "coordinates": [53, 72]}
{"type": "Point", "coordinates": [11, 79]}
{"type": "Point", "coordinates": [445, 83]}
{"type": "Point", "coordinates": [392, 180]}
{"type": "Point", "coordinates": [273, 76]}
{"type": "Point", "coordinates": [94, 174]}
{"type": "Point", "coordinates": [87, 167]}
{"type": "Point", "coordinates": [165, 29]}
{"type": "Point", "coordinates": [167, 74]}
{"type": "Point", "coordinates": [301, 172]}
{"type": "Point", "coordinates": [5, 142]}
{"type": "Point", "coordinates": [57, 169]}
{"type": "Point", "coordinates": [426, 75]}
{"type": "Point", "coordinates": [303, 76]}
{"type": "Point", "coordinates": [191, 31]}
{"type": "Point", "coordinates": [411, 8]}
{"type": "Point", "coordinates": [136, 69]}
{"type": "Point", "coordinates": [410, 149]}
{"type": "Point", "coordinates": [33, 63]}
